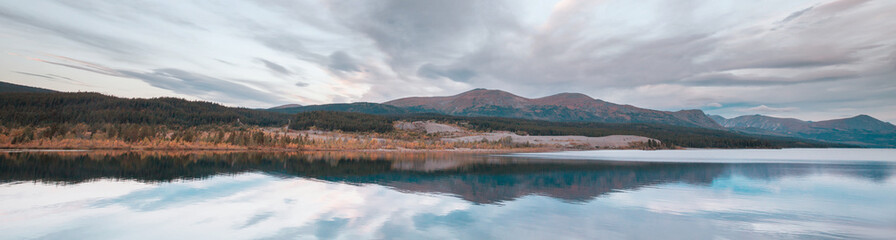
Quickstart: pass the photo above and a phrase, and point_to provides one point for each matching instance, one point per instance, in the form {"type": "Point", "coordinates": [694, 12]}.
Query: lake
{"type": "Point", "coordinates": [676, 194]}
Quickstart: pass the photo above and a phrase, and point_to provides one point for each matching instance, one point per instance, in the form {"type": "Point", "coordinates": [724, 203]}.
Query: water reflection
{"type": "Point", "coordinates": [475, 178]}
{"type": "Point", "coordinates": [324, 195]}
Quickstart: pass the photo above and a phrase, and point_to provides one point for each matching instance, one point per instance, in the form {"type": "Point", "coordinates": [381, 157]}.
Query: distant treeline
{"type": "Point", "coordinates": [20, 109]}
{"type": "Point", "coordinates": [343, 121]}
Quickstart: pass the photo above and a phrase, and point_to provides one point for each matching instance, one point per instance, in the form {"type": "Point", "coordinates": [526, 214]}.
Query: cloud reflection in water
{"type": "Point", "coordinates": [474, 197]}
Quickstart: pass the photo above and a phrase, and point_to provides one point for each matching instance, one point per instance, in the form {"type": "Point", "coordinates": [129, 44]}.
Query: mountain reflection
{"type": "Point", "coordinates": [475, 178]}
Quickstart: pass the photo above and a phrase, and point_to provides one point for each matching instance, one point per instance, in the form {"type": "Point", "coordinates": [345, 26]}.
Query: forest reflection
{"type": "Point", "coordinates": [477, 178]}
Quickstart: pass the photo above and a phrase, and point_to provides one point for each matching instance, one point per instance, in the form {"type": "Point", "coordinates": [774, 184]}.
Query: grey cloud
{"type": "Point", "coordinates": [62, 77]}
{"type": "Point", "coordinates": [301, 84]}
{"type": "Point", "coordinates": [801, 56]}
{"type": "Point", "coordinates": [276, 68]}
{"type": "Point", "coordinates": [341, 61]}
{"type": "Point", "coordinates": [292, 45]}
{"type": "Point", "coordinates": [456, 74]}
{"type": "Point", "coordinates": [225, 62]}
{"type": "Point", "coordinates": [412, 30]}
{"type": "Point", "coordinates": [839, 6]}
{"type": "Point", "coordinates": [51, 77]}
{"type": "Point", "coordinates": [184, 82]}
{"type": "Point", "coordinates": [35, 75]}
{"type": "Point", "coordinates": [338, 61]}
{"type": "Point", "coordinates": [180, 81]}
{"type": "Point", "coordinates": [638, 63]}
{"type": "Point", "coordinates": [799, 61]}
{"type": "Point", "coordinates": [96, 41]}
{"type": "Point", "coordinates": [795, 15]}
{"type": "Point", "coordinates": [298, 11]}
{"type": "Point", "coordinates": [89, 68]}
{"type": "Point", "coordinates": [462, 45]}
{"type": "Point", "coordinates": [767, 109]}
{"type": "Point", "coordinates": [729, 79]}
{"type": "Point", "coordinates": [826, 35]}
{"type": "Point", "coordinates": [564, 55]}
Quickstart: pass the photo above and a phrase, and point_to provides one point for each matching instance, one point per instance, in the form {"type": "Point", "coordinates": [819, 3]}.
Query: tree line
{"type": "Point", "coordinates": [21, 109]}
{"type": "Point", "coordinates": [343, 121]}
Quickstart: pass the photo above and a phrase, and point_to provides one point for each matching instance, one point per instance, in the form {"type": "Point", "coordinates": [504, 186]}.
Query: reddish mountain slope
{"type": "Point", "coordinates": [559, 107]}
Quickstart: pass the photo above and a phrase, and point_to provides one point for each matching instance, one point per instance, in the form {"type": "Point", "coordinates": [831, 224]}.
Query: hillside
{"type": "Point", "coordinates": [564, 107]}
{"type": "Point", "coordinates": [6, 87]}
{"type": "Point", "coordinates": [862, 130]}
{"type": "Point", "coordinates": [53, 108]}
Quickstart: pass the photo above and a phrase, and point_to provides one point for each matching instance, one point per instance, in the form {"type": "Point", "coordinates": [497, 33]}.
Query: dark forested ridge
{"type": "Point", "coordinates": [343, 121]}
{"type": "Point", "coordinates": [6, 87]}
{"type": "Point", "coordinates": [52, 108]}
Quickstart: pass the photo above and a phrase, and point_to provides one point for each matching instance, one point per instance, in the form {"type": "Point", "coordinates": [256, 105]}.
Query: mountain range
{"type": "Point", "coordinates": [564, 107]}
{"type": "Point", "coordinates": [861, 130]}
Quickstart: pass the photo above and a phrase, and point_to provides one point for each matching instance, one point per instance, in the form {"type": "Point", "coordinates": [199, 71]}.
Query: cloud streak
{"type": "Point", "coordinates": [176, 80]}
{"type": "Point", "coordinates": [276, 68]}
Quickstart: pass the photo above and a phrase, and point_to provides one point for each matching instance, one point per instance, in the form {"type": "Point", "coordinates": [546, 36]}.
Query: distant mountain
{"type": "Point", "coordinates": [776, 125]}
{"type": "Point", "coordinates": [563, 107]}
{"type": "Point", "coordinates": [360, 107]}
{"type": "Point", "coordinates": [862, 130]}
{"type": "Point", "coordinates": [286, 106]}
{"type": "Point", "coordinates": [718, 119]}
{"type": "Point", "coordinates": [857, 123]}
{"type": "Point", "coordinates": [6, 87]}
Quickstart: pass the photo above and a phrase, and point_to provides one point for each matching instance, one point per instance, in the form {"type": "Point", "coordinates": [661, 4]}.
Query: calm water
{"type": "Point", "coordinates": [152, 195]}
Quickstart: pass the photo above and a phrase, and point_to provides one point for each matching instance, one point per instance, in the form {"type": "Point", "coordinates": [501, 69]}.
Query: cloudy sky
{"type": "Point", "coordinates": [808, 59]}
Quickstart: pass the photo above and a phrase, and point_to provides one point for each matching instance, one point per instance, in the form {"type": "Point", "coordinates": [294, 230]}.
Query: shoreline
{"type": "Point", "coordinates": [391, 150]}
{"type": "Point", "coordinates": [495, 151]}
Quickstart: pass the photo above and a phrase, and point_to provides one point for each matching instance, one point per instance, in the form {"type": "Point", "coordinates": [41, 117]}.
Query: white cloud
{"type": "Point", "coordinates": [767, 109]}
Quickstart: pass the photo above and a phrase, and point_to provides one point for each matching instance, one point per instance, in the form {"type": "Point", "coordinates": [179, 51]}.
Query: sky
{"type": "Point", "coordinates": [807, 59]}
